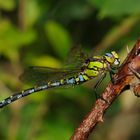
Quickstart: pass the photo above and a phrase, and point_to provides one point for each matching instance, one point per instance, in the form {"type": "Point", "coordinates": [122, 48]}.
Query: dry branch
{"type": "Point", "coordinates": [124, 78]}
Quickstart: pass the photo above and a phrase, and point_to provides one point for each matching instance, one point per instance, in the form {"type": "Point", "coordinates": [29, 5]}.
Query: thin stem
{"type": "Point", "coordinates": [111, 93]}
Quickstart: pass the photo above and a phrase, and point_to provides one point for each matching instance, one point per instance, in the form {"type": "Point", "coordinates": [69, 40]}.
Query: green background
{"type": "Point", "coordinates": [41, 33]}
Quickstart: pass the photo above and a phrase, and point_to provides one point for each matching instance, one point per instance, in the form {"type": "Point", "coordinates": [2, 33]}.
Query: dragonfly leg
{"type": "Point", "coordinates": [97, 84]}
{"type": "Point", "coordinates": [111, 76]}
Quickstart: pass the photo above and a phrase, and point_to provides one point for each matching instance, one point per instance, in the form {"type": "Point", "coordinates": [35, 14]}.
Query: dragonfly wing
{"type": "Point", "coordinates": [76, 57]}
{"type": "Point", "coordinates": [41, 75]}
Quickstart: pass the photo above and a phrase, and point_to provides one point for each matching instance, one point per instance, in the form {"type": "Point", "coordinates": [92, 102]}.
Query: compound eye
{"type": "Point", "coordinates": [114, 54]}
{"type": "Point", "coordinates": [116, 62]}
{"type": "Point", "coordinates": [108, 54]}
{"type": "Point", "coordinates": [109, 57]}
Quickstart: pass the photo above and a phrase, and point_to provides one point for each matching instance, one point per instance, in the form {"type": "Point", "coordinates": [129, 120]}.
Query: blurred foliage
{"type": "Point", "coordinates": [55, 32]}
{"type": "Point", "coordinates": [42, 33]}
{"type": "Point", "coordinates": [116, 8]}
{"type": "Point", "coordinates": [9, 5]}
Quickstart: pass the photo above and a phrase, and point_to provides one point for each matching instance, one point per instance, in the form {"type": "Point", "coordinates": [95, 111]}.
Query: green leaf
{"type": "Point", "coordinates": [117, 8]}
{"type": "Point", "coordinates": [12, 39]}
{"type": "Point", "coordinates": [46, 60]}
{"type": "Point", "coordinates": [7, 5]}
{"type": "Point", "coordinates": [58, 37]}
{"type": "Point", "coordinates": [96, 3]}
{"type": "Point", "coordinates": [32, 12]}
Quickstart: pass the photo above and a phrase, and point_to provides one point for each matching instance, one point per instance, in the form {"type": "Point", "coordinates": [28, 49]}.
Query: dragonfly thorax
{"type": "Point", "coordinates": [98, 65]}
{"type": "Point", "coordinates": [95, 66]}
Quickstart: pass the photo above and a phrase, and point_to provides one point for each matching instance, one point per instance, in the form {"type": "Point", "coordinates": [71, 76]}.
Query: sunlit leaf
{"type": "Point", "coordinates": [32, 12]}
{"type": "Point", "coordinates": [42, 61]}
{"type": "Point", "coordinates": [58, 37]}
{"type": "Point", "coordinates": [7, 5]}
{"type": "Point", "coordinates": [13, 39]}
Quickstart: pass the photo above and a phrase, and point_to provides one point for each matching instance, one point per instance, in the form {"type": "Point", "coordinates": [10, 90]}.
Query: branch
{"type": "Point", "coordinates": [123, 79]}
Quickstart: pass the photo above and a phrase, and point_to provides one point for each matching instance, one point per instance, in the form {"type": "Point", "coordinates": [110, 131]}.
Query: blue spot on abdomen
{"type": "Point", "coordinates": [81, 78]}
{"type": "Point", "coordinates": [70, 81]}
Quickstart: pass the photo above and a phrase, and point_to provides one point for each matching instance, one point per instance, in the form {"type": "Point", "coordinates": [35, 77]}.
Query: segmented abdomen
{"type": "Point", "coordinates": [75, 80]}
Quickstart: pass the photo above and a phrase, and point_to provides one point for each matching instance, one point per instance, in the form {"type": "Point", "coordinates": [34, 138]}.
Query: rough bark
{"type": "Point", "coordinates": [126, 77]}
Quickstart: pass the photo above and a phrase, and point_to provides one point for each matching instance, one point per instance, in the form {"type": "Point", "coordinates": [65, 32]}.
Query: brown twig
{"type": "Point", "coordinates": [123, 78]}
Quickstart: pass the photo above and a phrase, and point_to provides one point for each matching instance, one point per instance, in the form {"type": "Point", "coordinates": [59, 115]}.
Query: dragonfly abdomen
{"type": "Point", "coordinates": [75, 80]}
{"type": "Point", "coordinates": [21, 94]}
{"type": "Point", "coordinates": [80, 78]}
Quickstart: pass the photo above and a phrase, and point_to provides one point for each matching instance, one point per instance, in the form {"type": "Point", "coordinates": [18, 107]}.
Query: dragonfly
{"type": "Point", "coordinates": [44, 78]}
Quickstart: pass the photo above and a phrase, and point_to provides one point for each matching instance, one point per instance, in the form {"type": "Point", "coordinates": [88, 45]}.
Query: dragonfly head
{"type": "Point", "coordinates": [113, 59]}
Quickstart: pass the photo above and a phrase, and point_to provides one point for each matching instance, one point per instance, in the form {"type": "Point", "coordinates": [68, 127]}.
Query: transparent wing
{"type": "Point", "coordinates": [41, 75]}
{"type": "Point", "coordinates": [76, 57]}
